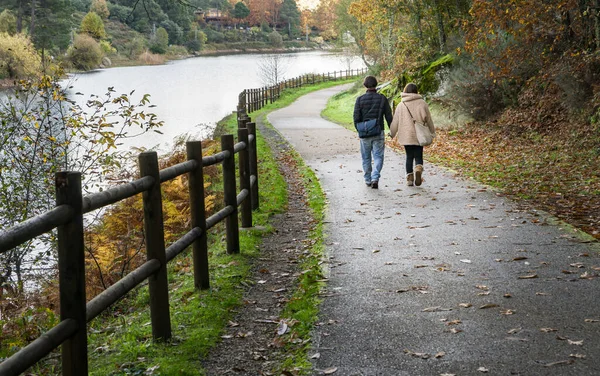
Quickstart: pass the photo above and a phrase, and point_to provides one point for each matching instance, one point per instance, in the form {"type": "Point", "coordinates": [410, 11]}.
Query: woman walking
{"type": "Point", "coordinates": [412, 108]}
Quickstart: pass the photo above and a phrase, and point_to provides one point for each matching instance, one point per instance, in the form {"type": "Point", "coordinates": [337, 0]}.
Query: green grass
{"type": "Point", "coordinates": [340, 107]}
{"type": "Point", "coordinates": [120, 343]}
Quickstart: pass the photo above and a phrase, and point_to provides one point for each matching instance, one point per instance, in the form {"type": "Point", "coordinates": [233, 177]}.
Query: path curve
{"type": "Point", "coordinates": [446, 278]}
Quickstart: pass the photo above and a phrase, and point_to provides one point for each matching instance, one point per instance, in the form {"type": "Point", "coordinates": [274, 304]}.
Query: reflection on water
{"type": "Point", "coordinates": [192, 95]}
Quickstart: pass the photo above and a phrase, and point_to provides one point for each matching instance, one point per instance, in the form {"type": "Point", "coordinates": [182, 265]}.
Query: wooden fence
{"type": "Point", "coordinates": [251, 100]}
{"type": "Point", "coordinates": [67, 218]}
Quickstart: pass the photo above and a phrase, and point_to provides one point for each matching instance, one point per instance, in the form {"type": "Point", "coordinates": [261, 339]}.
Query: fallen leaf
{"type": "Point", "coordinates": [576, 343]}
{"type": "Point", "coordinates": [455, 330]}
{"type": "Point", "coordinates": [507, 295]}
{"type": "Point", "coordinates": [519, 258]}
{"type": "Point", "coordinates": [465, 305]}
{"type": "Point", "coordinates": [577, 356]}
{"type": "Point", "coordinates": [466, 261]}
{"type": "Point", "coordinates": [483, 370]}
{"type": "Point", "coordinates": [453, 322]}
{"type": "Point", "coordinates": [530, 276]}
{"type": "Point", "coordinates": [227, 336]}
{"type": "Point", "coordinates": [541, 294]}
{"type": "Point", "coordinates": [282, 328]}
{"type": "Point", "coordinates": [447, 374]}
{"type": "Point", "coordinates": [436, 309]}
{"type": "Point", "coordinates": [441, 354]}
{"type": "Point", "coordinates": [375, 250]}
{"type": "Point", "coordinates": [482, 287]}
{"type": "Point", "coordinates": [578, 265]}
{"type": "Point", "coordinates": [507, 312]}
{"type": "Point", "coordinates": [591, 320]}
{"type": "Point", "coordinates": [570, 361]}
{"type": "Point", "coordinates": [417, 355]}
{"type": "Point", "coordinates": [514, 330]}
{"type": "Point", "coordinates": [420, 266]}
{"type": "Point", "coordinates": [316, 356]}
{"type": "Point", "coordinates": [489, 305]}
{"type": "Point", "coordinates": [483, 293]}
{"type": "Point", "coordinates": [548, 330]}
{"type": "Point", "coordinates": [232, 324]}
{"type": "Point", "coordinates": [330, 371]}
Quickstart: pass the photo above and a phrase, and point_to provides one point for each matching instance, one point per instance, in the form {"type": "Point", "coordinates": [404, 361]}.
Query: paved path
{"type": "Point", "coordinates": [446, 278]}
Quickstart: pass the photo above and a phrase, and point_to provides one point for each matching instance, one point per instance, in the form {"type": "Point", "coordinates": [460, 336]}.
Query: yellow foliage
{"type": "Point", "coordinates": [18, 57]}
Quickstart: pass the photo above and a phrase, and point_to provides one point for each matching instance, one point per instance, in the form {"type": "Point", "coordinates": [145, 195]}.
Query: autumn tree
{"type": "Point", "coordinates": [100, 7]}
{"type": "Point", "coordinates": [18, 57]}
{"type": "Point", "coordinates": [85, 53]}
{"type": "Point", "coordinates": [92, 25]}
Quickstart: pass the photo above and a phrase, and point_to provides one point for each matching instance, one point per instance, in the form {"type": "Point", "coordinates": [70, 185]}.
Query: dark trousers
{"type": "Point", "coordinates": [414, 156]}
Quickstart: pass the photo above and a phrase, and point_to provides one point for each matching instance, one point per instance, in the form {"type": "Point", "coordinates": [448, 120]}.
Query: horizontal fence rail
{"type": "Point", "coordinates": [67, 217]}
{"type": "Point", "coordinates": [251, 100]}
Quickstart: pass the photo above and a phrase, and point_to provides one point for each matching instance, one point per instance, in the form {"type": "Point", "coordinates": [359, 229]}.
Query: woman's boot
{"type": "Point", "coordinates": [418, 175]}
{"type": "Point", "coordinates": [410, 178]}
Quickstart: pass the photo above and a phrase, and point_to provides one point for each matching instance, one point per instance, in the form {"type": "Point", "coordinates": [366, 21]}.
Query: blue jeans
{"type": "Point", "coordinates": [374, 146]}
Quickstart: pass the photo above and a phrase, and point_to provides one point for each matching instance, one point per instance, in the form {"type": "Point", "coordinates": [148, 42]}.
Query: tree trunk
{"type": "Point", "coordinates": [440, 25]}
{"type": "Point", "coordinates": [20, 16]}
{"type": "Point", "coordinates": [597, 24]}
{"type": "Point", "coordinates": [32, 20]}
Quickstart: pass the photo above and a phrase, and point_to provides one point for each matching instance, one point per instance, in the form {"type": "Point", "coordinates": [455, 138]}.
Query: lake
{"type": "Point", "coordinates": [191, 95]}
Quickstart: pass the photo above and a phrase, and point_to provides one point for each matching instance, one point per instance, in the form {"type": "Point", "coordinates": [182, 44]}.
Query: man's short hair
{"type": "Point", "coordinates": [370, 82]}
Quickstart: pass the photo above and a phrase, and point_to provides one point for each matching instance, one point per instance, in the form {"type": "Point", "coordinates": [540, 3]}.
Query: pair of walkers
{"type": "Point", "coordinates": [373, 105]}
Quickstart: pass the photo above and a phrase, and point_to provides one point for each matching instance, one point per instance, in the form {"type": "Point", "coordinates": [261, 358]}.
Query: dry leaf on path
{"type": "Point", "coordinates": [591, 320]}
{"type": "Point", "coordinates": [441, 354]}
{"type": "Point", "coordinates": [436, 309]}
{"type": "Point", "coordinates": [483, 370]}
{"type": "Point", "coordinates": [577, 356]}
{"type": "Point", "coordinates": [515, 330]}
{"type": "Point", "coordinates": [576, 343]}
{"type": "Point", "coordinates": [530, 276]}
{"type": "Point", "coordinates": [489, 305]}
{"type": "Point", "coordinates": [465, 305]}
{"type": "Point", "coordinates": [570, 361]}
{"type": "Point", "coordinates": [417, 355]}
{"type": "Point", "coordinates": [548, 330]}
{"type": "Point", "coordinates": [330, 371]}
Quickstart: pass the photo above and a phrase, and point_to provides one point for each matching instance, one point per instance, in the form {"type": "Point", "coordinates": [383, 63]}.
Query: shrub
{"type": "Point", "coordinates": [175, 32]}
{"type": "Point", "coordinates": [100, 8]}
{"type": "Point", "coordinates": [119, 12]}
{"type": "Point", "coordinates": [159, 41]}
{"type": "Point", "coordinates": [135, 47]}
{"type": "Point", "coordinates": [85, 53]}
{"type": "Point", "coordinates": [177, 51]}
{"type": "Point", "coordinates": [8, 22]}
{"type": "Point", "coordinates": [107, 48]}
{"type": "Point", "coordinates": [196, 40]}
{"type": "Point", "coordinates": [276, 39]}
{"type": "Point", "coordinates": [213, 36]}
{"type": "Point", "coordinates": [18, 57]}
{"type": "Point", "coordinates": [92, 24]}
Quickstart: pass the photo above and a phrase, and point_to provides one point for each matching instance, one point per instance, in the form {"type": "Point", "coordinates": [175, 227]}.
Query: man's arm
{"type": "Point", "coordinates": [357, 113]}
{"type": "Point", "coordinates": [387, 111]}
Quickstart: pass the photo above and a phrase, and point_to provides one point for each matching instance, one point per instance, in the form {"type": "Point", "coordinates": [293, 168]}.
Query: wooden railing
{"type": "Point", "coordinates": [67, 218]}
{"type": "Point", "coordinates": [251, 100]}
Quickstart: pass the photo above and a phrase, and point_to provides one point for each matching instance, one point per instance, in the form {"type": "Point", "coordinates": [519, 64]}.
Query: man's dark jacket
{"type": "Point", "coordinates": [367, 107]}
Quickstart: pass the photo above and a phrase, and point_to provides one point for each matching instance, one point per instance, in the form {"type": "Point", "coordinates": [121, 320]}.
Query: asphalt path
{"type": "Point", "coordinates": [449, 278]}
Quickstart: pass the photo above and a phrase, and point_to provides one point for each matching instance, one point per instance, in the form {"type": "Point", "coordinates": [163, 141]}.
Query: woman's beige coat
{"type": "Point", "coordinates": [402, 127]}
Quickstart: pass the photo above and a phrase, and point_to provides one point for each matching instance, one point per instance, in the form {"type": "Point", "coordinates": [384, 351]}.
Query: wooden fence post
{"type": "Point", "coordinates": [155, 248]}
{"type": "Point", "coordinates": [230, 196]}
{"type": "Point", "coordinates": [71, 266]}
{"type": "Point", "coordinates": [244, 173]}
{"type": "Point", "coordinates": [253, 159]}
{"type": "Point", "coordinates": [198, 212]}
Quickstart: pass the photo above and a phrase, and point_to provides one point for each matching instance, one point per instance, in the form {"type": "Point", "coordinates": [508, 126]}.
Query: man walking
{"type": "Point", "coordinates": [372, 105]}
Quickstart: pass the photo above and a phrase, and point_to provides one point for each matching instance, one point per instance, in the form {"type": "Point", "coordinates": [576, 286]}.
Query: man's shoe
{"type": "Point", "coordinates": [418, 175]}
{"type": "Point", "coordinates": [375, 185]}
{"type": "Point", "coordinates": [368, 183]}
{"type": "Point", "coordinates": [410, 179]}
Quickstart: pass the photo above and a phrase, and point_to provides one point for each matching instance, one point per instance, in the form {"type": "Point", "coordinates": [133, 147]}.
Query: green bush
{"type": "Point", "coordinates": [177, 51]}
{"type": "Point", "coordinates": [119, 12]}
{"type": "Point", "coordinates": [18, 57]}
{"type": "Point", "coordinates": [135, 47]}
{"type": "Point", "coordinates": [276, 39]}
{"type": "Point", "coordinates": [159, 41]}
{"type": "Point", "coordinates": [85, 53]}
{"type": "Point", "coordinates": [213, 36]}
{"type": "Point", "coordinates": [8, 22]}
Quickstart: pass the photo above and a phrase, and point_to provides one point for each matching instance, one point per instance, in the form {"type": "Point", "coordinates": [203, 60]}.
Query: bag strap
{"type": "Point", "coordinates": [408, 111]}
